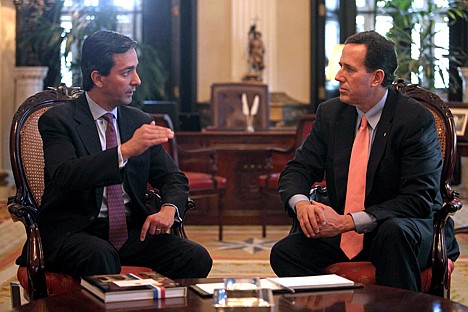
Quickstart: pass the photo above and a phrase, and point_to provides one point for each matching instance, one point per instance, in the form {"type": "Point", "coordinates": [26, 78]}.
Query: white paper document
{"type": "Point", "coordinates": [313, 282]}
{"type": "Point", "coordinates": [291, 283]}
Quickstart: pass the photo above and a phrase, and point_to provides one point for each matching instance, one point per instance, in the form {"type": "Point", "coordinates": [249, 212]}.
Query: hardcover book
{"type": "Point", "coordinates": [128, 287]}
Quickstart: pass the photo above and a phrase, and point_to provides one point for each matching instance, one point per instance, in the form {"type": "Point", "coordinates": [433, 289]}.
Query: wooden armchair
{"type": "Point", "coordinates": [226, 105]}
{"type": "Point", "coordinates": [202, 184]}
{"type": "Point", "coordinates": [436, 278]}
{"type": "Point", "coordinates": [27, 162]}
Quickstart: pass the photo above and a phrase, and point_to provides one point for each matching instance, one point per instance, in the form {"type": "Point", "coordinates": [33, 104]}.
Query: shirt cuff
{"type": "Point", "coordinates": [364, 222]}
{"type": "Point", "coordinates": [122, 163]}
{"type": "Point", "coordinates": [295, 199]}
{"type": "Point", "coordinates": [177, 216]}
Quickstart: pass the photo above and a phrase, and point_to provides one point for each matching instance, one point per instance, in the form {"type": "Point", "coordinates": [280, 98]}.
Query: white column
{"type": "Point", "coordinates": [29, 81]}
{"type": "Point", "coordinates": [244, 14]}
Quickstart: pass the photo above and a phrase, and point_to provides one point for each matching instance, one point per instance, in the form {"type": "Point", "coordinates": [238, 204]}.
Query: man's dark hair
{"type": "Point", "coordinates": [98, 52]}
{"type": "Point", "coordinates": [380, 54]}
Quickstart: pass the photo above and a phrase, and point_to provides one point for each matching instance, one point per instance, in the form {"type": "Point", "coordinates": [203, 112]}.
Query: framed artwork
{"type": "Point", "coordinates": [460, 116]}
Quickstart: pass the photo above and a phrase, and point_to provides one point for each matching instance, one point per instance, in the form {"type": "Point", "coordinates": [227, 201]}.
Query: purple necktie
{"type": "Point", "coordinates": [115, 203]}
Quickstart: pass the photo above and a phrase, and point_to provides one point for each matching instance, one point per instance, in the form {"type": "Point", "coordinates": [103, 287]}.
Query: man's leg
{"type": "Point", "coordinates": [399, 252]}
{"type": "Point", "coordinates": [84, 254]}
{"type": "Point", "coordinates": [297, 255]}
{"type": "Point", "coordinates": [166, 254]}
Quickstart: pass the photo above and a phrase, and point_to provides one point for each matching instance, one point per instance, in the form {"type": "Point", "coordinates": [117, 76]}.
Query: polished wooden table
{"type": "Point", "coordinates": [368, 298]}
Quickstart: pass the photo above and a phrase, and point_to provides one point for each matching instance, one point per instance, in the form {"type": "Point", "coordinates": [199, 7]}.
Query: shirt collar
{"type": "Point", "coordinates": [373, 114]}
{"type": "Point", "coordinates": [96, 110]}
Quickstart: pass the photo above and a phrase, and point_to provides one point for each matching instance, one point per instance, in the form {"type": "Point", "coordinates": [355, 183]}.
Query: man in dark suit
{"type": "Point", "coordinates": [79, 169]}
{"type": "Point", "coordinates": [401, 183]}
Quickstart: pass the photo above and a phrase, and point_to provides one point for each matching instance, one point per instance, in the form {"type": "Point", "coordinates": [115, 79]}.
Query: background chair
{"type": "Point", "coordinates": [226, 105]}
{"type": "Point", "coordinates": [436, 278]}
{"type": "Point", "coordinates": [202, 184]}
{"type": "Point", "coordinates": [27, 162]}
{"type": "Point", "coordinates": [268, 183]}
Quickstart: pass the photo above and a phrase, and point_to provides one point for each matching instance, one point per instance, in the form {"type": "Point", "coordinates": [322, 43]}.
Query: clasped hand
{"type": "Point", "coordinates": [145, 137]}
{"type": "Point", "coordinates": [319, 220]}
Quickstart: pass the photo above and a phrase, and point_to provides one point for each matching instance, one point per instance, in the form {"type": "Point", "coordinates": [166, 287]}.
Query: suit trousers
{"type": "Point", "coordinates": [90, 253]}
{"type": "Point", "coordinates": [395, 248]}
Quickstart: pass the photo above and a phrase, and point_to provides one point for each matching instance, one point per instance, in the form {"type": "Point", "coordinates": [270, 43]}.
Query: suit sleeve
{"type": "Point", "coordinates": [306, 168]}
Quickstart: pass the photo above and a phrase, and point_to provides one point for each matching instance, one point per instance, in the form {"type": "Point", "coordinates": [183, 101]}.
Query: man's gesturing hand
{"type": "Point", "coordinates": [145, 137]}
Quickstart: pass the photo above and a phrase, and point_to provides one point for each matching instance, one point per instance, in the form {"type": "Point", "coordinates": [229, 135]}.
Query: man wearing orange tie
{"type": "Point", "coordinates": [380, 154]}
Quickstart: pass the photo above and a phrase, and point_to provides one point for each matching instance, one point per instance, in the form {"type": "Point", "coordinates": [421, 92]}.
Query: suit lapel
{"type": "Point", "coordinates": [87, 131]}
{"type": "Point", "coordinates": [381, 138]}
{"type": "Point", "coordinates": [345, 132]}
{"type": "Point", "coordinates": [86, 127]}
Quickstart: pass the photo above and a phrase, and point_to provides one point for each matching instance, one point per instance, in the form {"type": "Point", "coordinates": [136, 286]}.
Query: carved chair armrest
{"type": "Point", "coordinates": [439, 259]}
{"type": "Point", "coordinates": [19, 212]}
{"type": "Point", "coordinates": [35, 255]}
{"type": "Point", "coordinates": [271, 151]}
{"type": "Point", "coordinates": [279, 150]}
{"type": "Point", "coordinates": [203, 159]}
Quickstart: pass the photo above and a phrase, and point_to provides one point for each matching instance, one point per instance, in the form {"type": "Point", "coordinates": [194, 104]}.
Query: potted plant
{"type": "Point", "coordinates": [40, 35]}
{"type": "Point", "coordinates": [31, 55]}
{"type": "Point", "coordinates": [42, 41]}
{"type": "Point", "coordinates": [419, 59]}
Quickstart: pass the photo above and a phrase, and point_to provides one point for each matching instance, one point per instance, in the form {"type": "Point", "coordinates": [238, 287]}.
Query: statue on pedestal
{"type": "Point", "coordinates": [255, 59]}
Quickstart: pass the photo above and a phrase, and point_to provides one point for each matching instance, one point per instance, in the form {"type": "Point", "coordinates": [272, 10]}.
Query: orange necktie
{"type": "Point", "coordinates": [352, 242]}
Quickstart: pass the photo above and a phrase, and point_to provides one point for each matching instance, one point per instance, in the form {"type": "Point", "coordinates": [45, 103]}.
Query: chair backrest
{"type": "Point", "coordinates": [226, 105]}
{"type": "Point", "coordinates": [164, 120]}
{"type": "Point", "coordinates": [445, 126]}
{"type": "Point", "coordinates": [26, 150]}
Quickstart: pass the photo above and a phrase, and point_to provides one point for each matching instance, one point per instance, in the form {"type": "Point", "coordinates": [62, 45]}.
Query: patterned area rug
{"type": "Point", "coordinates": [243, 253]}
{"type": "Point", "coordinates": [459, 286]}
{"type": "Point", "coordinates": [12, 238]}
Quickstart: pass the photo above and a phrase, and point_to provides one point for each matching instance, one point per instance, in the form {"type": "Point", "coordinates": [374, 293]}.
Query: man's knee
{"type": "Point", "coordinates": [277, 260]}
{"type": "Point", "coordinates": [199, 262]}
{"type": "Point", "coordinates": [205, 262]}
{"type": "Point", "coordinates": [275, 252]}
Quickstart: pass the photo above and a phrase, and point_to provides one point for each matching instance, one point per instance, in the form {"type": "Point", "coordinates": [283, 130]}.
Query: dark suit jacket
{"type": "Point", "coordinates": [404, 168]}
{"type": "Point", "coordinates": [77, 170]}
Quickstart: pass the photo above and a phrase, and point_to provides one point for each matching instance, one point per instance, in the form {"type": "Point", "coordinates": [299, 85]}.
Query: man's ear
{"type": "Point", "coordinates": [97, 78]}
{"type": "Point", "coordinates": [379, 76]}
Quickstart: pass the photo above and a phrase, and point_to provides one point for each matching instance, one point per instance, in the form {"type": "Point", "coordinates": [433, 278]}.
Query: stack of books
{"type": "Point", "coordinates": [128, 287]}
